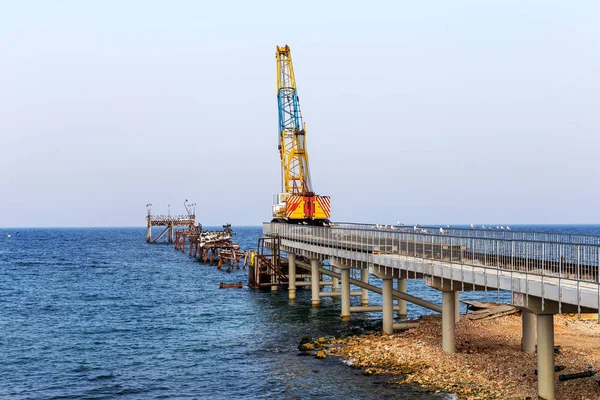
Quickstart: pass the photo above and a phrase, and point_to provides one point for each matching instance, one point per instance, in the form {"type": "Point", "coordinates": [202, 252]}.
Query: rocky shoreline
{"type": "Point", "coordinates": [489, 363]}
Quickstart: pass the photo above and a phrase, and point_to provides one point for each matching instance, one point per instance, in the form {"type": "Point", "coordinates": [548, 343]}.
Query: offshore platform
{"type": "Point", "coordinates": [208, 246]}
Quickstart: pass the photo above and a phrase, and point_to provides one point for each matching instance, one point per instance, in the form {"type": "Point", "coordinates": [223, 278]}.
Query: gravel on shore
{"type": "Point", "coordinates": [488, 364]}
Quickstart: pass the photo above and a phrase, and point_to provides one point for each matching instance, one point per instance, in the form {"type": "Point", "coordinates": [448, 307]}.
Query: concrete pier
{"type": "Point", "coordinates": [364, 277]}
{"type": "Point", "coordinates": [455, 260]}
{"type": "Point", "coordinates": [402, 313]}
{"type": "Point", "coordinates": [457, 307]}
{"type": "Point", "coordinates": [388, 305]}
{"type": "Point", "coordinates": [335, 282]}
{"type": "Point", "coordinates": [291, 276]}
{"type": "Point", "coordinates": [448, 321]}
{"type": "Point", "coordinates": [545, 356]}
{"type": "Point", "coordinates": [528, 331]}
{"type": "Point", "coordinates": [315, 276]}
{"type": "Point", "coordinates": [345, 293]}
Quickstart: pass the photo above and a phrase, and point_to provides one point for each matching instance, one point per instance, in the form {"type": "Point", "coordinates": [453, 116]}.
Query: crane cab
{"type": "Point", "coordinates": [279, 202]}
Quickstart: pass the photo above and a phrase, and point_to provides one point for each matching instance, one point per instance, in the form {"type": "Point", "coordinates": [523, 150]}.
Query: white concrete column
{"type": "Point", "coordinates": [315, 276]}
{"type": "Point", "coordinates": [364, 295]}
{"type": "Point", "coordinates": [527, 331]}
{"type": "Point", "coordinates": [402, 313]}
{"type": "Point", "coordinates": [388, 305]}
{"type": "Point", "coordinates": [457, 307]}
{"type": "Point", "coordinates": [335, 282]}
{"type": "Point", "coordinates": [292, 276]}
{"type": "Point", "coordinates": [448, 321]}
{"type": "Point", "coordinates": [345, 293]}
{"type": "Point", "coordinates": [545, 356]}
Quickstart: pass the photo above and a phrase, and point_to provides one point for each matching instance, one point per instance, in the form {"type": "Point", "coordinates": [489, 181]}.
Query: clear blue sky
{"type": "Point", "coordinates": [428, 112]}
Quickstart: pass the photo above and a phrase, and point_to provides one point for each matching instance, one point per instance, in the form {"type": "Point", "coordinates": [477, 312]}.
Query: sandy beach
{"type": "Point", "coordinates": [489, 363]}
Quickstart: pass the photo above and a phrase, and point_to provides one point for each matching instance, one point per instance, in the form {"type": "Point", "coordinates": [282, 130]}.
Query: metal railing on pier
{"type": "Point", "coordinates": [568, 256]}
{"type": "Point", "coordinates": [479, 232]}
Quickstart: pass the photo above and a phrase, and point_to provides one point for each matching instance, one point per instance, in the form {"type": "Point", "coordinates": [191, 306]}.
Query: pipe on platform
{"type": "Point", "coordinates": [396, 294]}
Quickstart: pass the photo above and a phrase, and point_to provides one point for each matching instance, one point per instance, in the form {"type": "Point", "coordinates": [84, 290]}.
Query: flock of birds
{"type": "Point", "coordinates": [419, 229]}
{"type": "Point", "coordinates": [499, 227]}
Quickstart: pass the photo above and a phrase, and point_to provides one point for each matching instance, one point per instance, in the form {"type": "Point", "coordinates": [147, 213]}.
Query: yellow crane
{"type": "Point", "coordinates": [297, 203]}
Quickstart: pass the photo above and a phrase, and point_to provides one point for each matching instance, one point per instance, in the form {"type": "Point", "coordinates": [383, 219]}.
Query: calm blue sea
{"type": "Point", "coordinates": [97, 314]}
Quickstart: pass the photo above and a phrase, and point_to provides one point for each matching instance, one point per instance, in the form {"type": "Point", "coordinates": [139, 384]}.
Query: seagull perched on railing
{"type": "Point", "coordinates": [507, 228]}
{"type": "Point", "coordinates": [501, 227]}
{"type": "Point", "coordinates": [442, 231]}
{"type": "Point", "coordinates": [482, 226]}
{"type": "Point", "coordinates": [473, 226]}
{"type": "Point", "coordinates": [9, 235]}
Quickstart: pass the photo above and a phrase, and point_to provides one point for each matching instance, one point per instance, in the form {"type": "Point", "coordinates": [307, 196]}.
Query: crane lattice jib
{"type": "Point", "coordinates": [292, 131]}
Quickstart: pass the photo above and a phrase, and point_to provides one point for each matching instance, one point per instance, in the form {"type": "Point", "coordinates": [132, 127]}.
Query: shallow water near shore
{"type": "Point", "coordinates": [98, 313]}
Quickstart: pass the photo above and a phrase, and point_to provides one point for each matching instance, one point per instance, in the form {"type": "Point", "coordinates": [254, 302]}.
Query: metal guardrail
{"type": "Point", "coordinates": [567, 256]}
{"type": "Point", "coordinates": [490, 232]}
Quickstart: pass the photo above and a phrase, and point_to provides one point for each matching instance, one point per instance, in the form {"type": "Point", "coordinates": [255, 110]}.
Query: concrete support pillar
{"type": "Point", "coordinates": [314, 280]}
{"type": "Point", "coordinates": [364, 277]}
{"type": "Point", "coordinates": [528, 331]}
{"type": "Point", "coordinates": [335, 282]}
{"type": "Point", "coordinates": [388, 305]}
{"type": "Point", "coordinates": [545, 356]}
{"type": "Point", "coordinates": [402, 313]}
{"type": "Point", "coordinates": [292, 276]}
{"type": "Point", "coordinates": [149, 232]}
{"type": "Point", "coordinates": [457, 308]}
{"type": "Point", "coordinates": [345, 293]}
{"type": "Point", "coordinates": [448, 321]}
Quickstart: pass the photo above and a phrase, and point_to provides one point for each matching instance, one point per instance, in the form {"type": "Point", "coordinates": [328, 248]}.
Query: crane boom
{"type": "Point", "coordinates": [297, 202]}
{"type": "Point", "coordinates": [292, 130]}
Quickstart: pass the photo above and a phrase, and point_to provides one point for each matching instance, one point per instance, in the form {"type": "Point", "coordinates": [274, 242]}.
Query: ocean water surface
{"type": "Point", "coordinates": [97, 313]}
